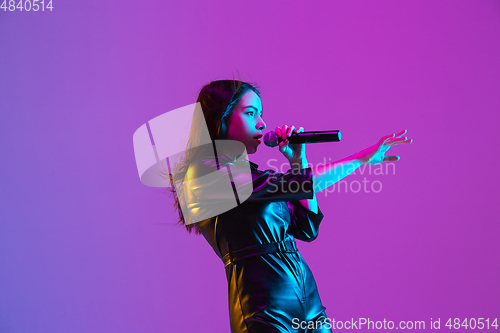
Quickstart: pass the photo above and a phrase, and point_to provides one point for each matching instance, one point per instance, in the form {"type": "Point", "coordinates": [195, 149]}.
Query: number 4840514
{"type": "Point", "coordinates": [27, 5]}
{"type": "Point", "coordinates": [471, 323]}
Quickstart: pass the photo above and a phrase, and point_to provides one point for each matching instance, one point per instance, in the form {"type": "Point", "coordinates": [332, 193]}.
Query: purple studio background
{"type": "Point", "coordinates": [86, 247]}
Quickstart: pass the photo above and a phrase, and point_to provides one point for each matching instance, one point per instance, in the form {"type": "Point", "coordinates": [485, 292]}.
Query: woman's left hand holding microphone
{"type": "Point", "coordinates": [294, 153]}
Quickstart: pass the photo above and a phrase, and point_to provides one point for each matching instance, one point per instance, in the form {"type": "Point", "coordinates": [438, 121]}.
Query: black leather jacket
{"type": "Point", "coordinates": [268, 292]}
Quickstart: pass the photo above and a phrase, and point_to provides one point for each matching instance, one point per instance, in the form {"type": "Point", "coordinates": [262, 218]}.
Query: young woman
{"type": "Point", "coordinates": [271, 288]}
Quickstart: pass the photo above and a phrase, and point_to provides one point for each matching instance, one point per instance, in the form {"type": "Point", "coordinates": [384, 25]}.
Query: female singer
{"type": "Point", "coordinates": [271, 288]}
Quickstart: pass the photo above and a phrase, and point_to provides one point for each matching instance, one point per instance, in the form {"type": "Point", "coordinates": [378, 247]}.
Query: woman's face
{"type": "Point", "coordinates": [245, 123]}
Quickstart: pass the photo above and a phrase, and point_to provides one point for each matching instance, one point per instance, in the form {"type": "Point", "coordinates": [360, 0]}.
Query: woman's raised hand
{"type": "Point", "coordinates": [292, 152]}
{"type": "Point", "coordinates": [376, 153]}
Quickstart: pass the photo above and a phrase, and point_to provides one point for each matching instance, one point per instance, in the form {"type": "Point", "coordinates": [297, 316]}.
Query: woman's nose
{"type": "Point", "coordinates": [261, 125]}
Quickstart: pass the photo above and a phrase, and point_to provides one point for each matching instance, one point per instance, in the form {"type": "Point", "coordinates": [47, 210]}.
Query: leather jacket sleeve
{"type": "Point", "coordinates": [210, 184]}
{"type": "Point", "coordinates": [305, 223]}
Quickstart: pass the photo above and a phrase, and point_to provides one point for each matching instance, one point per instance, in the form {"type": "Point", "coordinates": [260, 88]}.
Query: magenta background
{"type": "Point", "coordinates": [85, 247]}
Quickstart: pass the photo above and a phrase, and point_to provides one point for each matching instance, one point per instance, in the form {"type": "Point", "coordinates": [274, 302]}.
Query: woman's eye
{"type": "Point", "coordinates": [251, 113]}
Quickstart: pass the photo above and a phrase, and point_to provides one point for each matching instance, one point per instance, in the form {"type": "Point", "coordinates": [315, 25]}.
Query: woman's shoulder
{"type": "Point", "coordinates": [211, 163]}
{"type": "Point", "coordinates": [201, 167]}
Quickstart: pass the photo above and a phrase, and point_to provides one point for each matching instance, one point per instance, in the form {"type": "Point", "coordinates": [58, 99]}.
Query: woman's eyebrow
{"type": "Point", "coordinates": [253, 107]}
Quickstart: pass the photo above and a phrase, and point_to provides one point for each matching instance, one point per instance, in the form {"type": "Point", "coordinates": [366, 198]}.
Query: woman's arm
{"type": "Point", "coordinates": [310, 204]}
{"type": "Point", "coordinates": [325, 176]}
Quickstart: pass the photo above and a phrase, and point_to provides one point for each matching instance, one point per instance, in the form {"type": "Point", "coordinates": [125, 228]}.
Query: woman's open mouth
{"type": "Point", "coordinates": [256, 138]}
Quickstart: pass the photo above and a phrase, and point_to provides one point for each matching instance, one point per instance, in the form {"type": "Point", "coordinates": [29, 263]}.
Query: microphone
{"type": "Point", "coordinates": [271, 139]}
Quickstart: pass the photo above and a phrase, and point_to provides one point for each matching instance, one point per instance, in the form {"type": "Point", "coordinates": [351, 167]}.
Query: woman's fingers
{"type": "Point", "coordinates": [385, 138]}
{"type": "Point", "coordinates": [397, 141]}
{"type": "Point", "coordinates": [284, 140]}
{"type": "Point", "coordinates": [404, 141]}
{"type": "Point", "coordinates": [284, 132]}
{"type": "Point", "coordinates": [401, 133]}
{"type": "Point", "coordinates": [391, 158]}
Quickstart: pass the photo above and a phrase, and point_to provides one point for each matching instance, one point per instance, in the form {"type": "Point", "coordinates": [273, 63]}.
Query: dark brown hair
{"type": "Point", "coordinates": [218, 100]}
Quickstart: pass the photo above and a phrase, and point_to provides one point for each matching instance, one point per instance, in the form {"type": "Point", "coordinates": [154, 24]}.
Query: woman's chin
{"type": "Point", "coordinates": [251, 150]}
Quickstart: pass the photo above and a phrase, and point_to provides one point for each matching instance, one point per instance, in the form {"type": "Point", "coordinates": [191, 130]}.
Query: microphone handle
{"type": "Point", "coordinates": [314, 137]}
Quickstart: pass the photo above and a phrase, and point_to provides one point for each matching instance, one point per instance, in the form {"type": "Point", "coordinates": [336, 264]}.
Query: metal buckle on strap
{"type": "Point", "coordinates": [287, 246]}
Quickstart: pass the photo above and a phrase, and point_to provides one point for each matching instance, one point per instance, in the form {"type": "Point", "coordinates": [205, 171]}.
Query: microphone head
{"type": "Point", "coordinates": [271, 139]}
